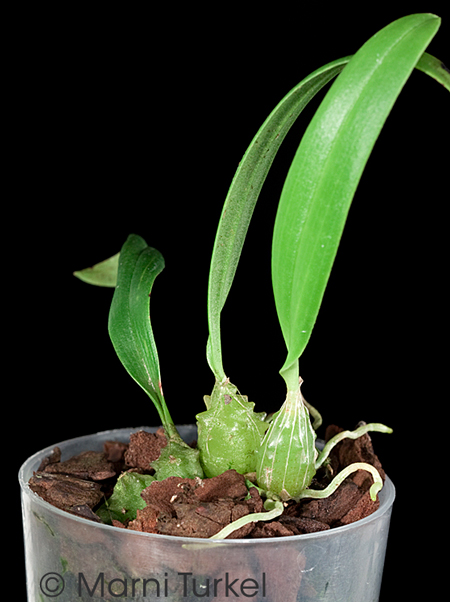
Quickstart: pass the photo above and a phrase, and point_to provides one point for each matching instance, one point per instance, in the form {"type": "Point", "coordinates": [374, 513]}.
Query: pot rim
{"type": "Point", "coordinates": [386, 495]}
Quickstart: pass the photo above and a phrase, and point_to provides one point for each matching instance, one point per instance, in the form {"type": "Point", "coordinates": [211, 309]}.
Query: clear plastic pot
{"type": "Point", "coordinates": [70, 558]}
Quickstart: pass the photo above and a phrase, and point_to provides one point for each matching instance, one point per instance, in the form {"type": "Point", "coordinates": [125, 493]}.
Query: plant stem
{"type": "Point", "coordinates": [291, 377]}
{"type": "Point", "coordinates": [214, 354]}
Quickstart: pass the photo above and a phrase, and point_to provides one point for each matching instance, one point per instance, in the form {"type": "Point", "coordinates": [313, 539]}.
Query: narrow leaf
{"type": "Point", "coordinates": [101, 274]}
{"type": "Point", "coordinates": [243, 194]}
{"type": "Point", "coordinates": [247, 184]}
{"type": "Point", "coordinates": [326, 170]}
{"type": "Point", "coordinates": [435, 69]}
{"type": "Point", "coordinates": [129, 318]}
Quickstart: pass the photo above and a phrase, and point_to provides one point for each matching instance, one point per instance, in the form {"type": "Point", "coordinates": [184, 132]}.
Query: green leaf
{"type": "Point", "coordinates": [126, 498]}
{"type": "Point", "coordinates": [101, 274]}
{"type": "Point", "coordinates": [326, 170]}
{"type": "Point", "coordinates": [243, 194]}
{"type": "Point", "coordinates": [247, 184]}
{"type": "Point", "coordinates": [132, 336]}
{"type": "Point", "coordinates": [129, 319]}
{"type": "Point", "coordinates": [435, 69]}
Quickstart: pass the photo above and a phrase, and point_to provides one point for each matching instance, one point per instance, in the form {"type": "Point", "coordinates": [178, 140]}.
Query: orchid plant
{"type": "Point", "coordinates": [277, 453]}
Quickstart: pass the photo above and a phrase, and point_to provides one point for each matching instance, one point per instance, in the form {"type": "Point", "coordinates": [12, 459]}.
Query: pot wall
{"type": "Point", "coordinates": [69, 558]}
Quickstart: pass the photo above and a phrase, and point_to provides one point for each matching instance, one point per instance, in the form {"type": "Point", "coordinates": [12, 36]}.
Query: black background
{"type": "Point", "coordinates": [136, 123]}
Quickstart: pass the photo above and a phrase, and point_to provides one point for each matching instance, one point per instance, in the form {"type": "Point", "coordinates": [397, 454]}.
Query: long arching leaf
{"type": "Point", "coordinates": [247, 184]}
{"type": "Point", "coordinates": [326, 170]}
{"type": "Point", "coordinates": [243, 194]}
